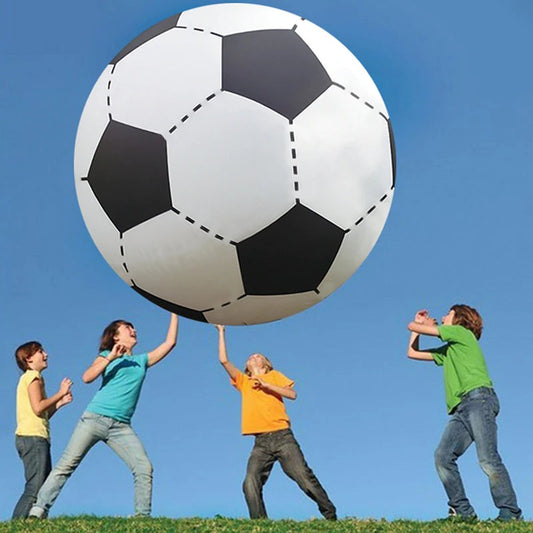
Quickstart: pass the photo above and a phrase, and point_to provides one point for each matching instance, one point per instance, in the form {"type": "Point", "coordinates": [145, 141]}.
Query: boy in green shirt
{"type": "Point", "coordinates": [472, 404]}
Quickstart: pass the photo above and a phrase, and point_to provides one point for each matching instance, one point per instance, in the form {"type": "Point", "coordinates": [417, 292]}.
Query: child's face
{"type": "Point", "coordinates": [256, 363]}
{"type": "Point", "coordinates": [448, 319]}
{"type": "Point", "coordinates": [126, 335]}
{"type": "Point", "coordinates": [38, 361]}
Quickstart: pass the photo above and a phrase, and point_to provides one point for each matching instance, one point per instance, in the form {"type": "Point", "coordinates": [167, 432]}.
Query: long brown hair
{"type": "Point", "coordinates": [107, 340]}
{"type": "Point", "coordinates": [469, 318]}
{"type": "Point", "coordinates": [24, 352]}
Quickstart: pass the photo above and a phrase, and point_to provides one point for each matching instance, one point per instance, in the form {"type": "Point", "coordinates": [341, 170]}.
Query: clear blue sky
{"type": "Point", "coordinates": [457, 81]}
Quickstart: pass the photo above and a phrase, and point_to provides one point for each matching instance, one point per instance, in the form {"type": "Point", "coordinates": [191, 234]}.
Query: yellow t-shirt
{"type": "Point", "coordinates": [262, 411]}
{"type": "Point", "coordinates": [28, 423]}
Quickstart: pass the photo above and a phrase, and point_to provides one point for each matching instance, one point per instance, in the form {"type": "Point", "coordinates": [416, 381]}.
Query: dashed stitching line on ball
{"type": "Point", "coordinates": [225, 304]}
{"type": "Point", "coordinates": [205, 229]}
{"type": "Point", "coordinates": [373, 208]}
{"type": "Point", "coordinates": [109, 94]}
{"type": "Point", "coordinates": [199, 30]}
{"type": "Point", "coordinates": [195, 109]}
{"type": "Point", "coordinates": [293, 157]}
{"type": "Point", "coordinates": [357, 97]}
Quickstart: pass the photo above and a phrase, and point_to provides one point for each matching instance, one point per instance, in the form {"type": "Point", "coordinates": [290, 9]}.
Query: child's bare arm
{"type": "Point", "coordinates": [100, 363]}
{"type": "Point", "coordinates": [38, 401]}
{"type": "Point", "coordinates": [60, 403]}
{"type": "Point", "coordinates": [229, 367]}
{"type": "Point", "coordinates": [286, 392]}
{"type": "Point", "coordinates": [164, 349]}
{"type": "Point", "coordinates": [425, 325]}
{"type": "Point", "coordinates": [414, 352]}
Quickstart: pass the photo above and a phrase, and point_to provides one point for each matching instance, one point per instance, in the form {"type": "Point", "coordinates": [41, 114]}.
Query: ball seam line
{"type": "Point", "coordinates": [369, 211]}
{"type": "Point", "coordinates": [370, 105]}
{"type": "Point", "coordinates": [195, 109]}
{"type": "Point", "coordinates": [292, 138]}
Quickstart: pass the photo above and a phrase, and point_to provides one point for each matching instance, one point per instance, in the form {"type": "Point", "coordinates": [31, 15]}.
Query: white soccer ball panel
{"type": "Point", "coordinates": [93, 122]}
{"type": "Point", "coordinates": [102, 230]}
{"type": "Point", "coordinates": [342, 66]}
{"type": "Point", "coordinates": [177, 261]}
{"type": "Point", "coordinates": [259, 309]}
{"type": "Point", "coordinates": [356, 246]}
{"type": "Point", "coordinates": [343, 157]}
{"type": "Point", "coordinates": [227, 19]}
{"type": "Point", "coordinates": [236, 157]}
{"type": "Point", "coordinates": [157, 84]}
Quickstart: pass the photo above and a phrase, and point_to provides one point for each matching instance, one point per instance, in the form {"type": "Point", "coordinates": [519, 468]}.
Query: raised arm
{"type": "Point", "coordinates": [40, 404]}
{"type": "Point", "coordinates": [230, 368]}
{"type": "Point", "coordinates": [165, 348]}
{"type": "Point", "coordinates": [421, 325]}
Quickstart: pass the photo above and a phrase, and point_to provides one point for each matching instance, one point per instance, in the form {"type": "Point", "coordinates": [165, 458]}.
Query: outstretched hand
{"type": "Point", "coordinates": [220, 328]}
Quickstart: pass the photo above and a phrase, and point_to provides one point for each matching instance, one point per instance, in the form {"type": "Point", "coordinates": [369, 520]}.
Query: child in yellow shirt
{"type": "Point", "coordinates": [34, 409]}
{"type": "Point", "coordinates": [264, 416]}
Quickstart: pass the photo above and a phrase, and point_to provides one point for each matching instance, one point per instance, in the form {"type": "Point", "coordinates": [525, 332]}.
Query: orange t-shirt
{"type": "Point", "coordinates": [262, 411]}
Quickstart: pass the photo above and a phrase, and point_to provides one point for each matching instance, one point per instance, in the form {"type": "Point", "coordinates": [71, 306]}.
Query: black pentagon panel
{"type": "Point", "coordinates": [129, 175]}
{"type": "Point", "coordinates": [273, 67]}
{"type": "Point", "coordinates": [173, 308]}
{"type": "Point", "coordinates": [150, 33]}
{"type": "Point", "coordinates": [392, 152]}
{"type": "Point", "coordinates": [291, 255]}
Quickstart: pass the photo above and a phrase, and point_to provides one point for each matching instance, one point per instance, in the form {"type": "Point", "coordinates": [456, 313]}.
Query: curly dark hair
{"type": "Point", "coordinates": [469, 318]}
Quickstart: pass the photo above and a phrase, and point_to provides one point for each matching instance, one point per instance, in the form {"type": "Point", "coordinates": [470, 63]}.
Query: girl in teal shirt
{"type": "Point", "coordinates": [107, 417]}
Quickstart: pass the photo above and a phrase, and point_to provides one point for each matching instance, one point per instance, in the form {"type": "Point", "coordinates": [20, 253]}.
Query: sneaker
{"type": "Point", "coordinates": [37, 513]}
{"type": "Point", "coordinates": [453, 515]}
{"type": "Point", "coordinates": [509, 518]}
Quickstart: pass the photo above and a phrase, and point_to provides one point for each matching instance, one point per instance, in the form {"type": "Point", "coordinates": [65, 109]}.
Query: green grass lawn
{"type": "Point", "coordinates": [86, 524]}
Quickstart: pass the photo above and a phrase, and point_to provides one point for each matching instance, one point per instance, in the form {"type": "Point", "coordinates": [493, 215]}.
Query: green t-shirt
{"type": "Point", "coordinates": [463, 362]}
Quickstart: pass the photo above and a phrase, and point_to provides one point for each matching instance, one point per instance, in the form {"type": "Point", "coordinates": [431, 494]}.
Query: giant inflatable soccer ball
{"type": "Point", "coordinates": [235, 164]}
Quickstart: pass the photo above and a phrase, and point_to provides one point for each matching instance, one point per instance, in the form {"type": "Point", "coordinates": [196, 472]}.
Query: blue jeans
{"type": "Point", "coordinates": [121, 438]}
{"type": "Point", "coordinates": [474, 420]}
{"type": "Point", "coordinates": [35, 454]}
{"type": "Point", "coordinates": [281, 446]}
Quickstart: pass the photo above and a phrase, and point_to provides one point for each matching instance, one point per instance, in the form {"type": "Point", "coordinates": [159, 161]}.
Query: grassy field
{"type": "Point", "coordinates": [86, 524]}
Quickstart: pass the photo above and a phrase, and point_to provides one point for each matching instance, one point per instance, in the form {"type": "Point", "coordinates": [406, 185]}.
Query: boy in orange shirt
{"type": "Point", "coordinates": [264, 416]}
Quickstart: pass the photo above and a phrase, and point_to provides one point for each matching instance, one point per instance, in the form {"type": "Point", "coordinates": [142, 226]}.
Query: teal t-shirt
{"type": "Point", "coordinates": [463, 362]}
{"type": "Point", "coordinates": [121, 386]}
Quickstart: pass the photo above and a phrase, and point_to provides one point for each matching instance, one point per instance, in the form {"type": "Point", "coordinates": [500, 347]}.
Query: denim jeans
{"type": "Point", "coordinates": [35, 454]}
{"type": "Point", "coordinates": [121, 438]}
{"type": "Point", "coordinates": [281, 446]}
{"type": "Point", "coordinates": [474, 420]}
